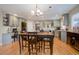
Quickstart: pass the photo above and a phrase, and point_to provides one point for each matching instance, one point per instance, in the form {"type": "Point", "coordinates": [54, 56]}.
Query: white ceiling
{"type": "Point", "coordinates": [24, 10]}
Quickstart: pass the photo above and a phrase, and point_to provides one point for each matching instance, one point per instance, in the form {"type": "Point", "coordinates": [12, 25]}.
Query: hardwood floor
{"type": "Point", "coordinates": [59, 48]}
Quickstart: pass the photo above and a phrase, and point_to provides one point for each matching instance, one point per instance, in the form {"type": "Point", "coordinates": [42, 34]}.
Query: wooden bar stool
{"type": "Point", "coordinates": [33, 43]}
{"type": "Point", "coordinates": [48, 39]}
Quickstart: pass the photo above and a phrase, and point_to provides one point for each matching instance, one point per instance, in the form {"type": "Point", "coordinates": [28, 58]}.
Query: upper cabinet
{"type": "Point", "coordinates": [6, 20]}
{"type": "Point", "coordinates": [65, 22]}
{"type": "Point", "coordinates": [10, 20]}
{"type": "Point", "coordinates": [13, 21]}
{"type": "Point", "coordinates": [66, 19]}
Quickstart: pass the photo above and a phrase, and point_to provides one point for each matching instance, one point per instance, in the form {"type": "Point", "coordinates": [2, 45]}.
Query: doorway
{"type": "Point", "coordinates": [23, 26]}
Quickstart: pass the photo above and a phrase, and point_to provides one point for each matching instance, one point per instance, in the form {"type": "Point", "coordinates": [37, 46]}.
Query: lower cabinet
{"type": "Point", "coordinates": [63, 36]}
{"type": "Point", "coordinates": [73, 39]}
{"type": "Point", "coordinates": [6, 38]}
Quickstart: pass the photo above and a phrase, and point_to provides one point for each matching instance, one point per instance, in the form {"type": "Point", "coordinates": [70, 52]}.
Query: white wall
{"type": "Point", "coordinates": [30, 26]}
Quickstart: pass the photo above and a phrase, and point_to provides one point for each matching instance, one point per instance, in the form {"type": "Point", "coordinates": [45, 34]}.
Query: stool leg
{"type": "Point", "coordinates": [44, 47]}
{"type": "Point", "coordinates": [19, 44]}
{"type": "Point", "coordinates": [14, 39]}
{"type": "Point", "coordinates": [41, 45]}
{"type": "Point", "coordinates": [36, 48]}
{"type": "Point", "coordinates": [29, 48]}
{"type": "Point", "coordinates": [32, 47]}
{"type": "Point", "coordinates": [25, 43]}
{"type": "Point", "coordinates": [22, 44]}
{"type": "Point", "coordinates": [51, 48]}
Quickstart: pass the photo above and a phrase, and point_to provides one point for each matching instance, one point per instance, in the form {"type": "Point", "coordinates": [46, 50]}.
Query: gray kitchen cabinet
{"type": "Point", "coordinates": [64, 36]}
{"type": "Point", "coordinates": [13, 21]}
{"type": "Point", "coordinates": [6, 38]}
{"type": "Point", "coordinates": [66, 19]}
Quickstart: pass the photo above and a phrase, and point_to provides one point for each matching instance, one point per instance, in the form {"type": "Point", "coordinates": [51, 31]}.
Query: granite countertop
{"type": "Point", "coordinates": [61, 30]}
{"type": "Point", "coordinates": [69, 31]}
{"type": "Point", "coordinates": [73, 32]}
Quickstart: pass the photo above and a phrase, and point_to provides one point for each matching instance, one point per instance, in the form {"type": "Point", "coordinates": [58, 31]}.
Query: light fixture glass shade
{"type": "Point", "coordinates": [41, 13]}
{"type": "Point", "coordinates": [32, 12]}
{"type": "Point", "coordinates": [38, 10]}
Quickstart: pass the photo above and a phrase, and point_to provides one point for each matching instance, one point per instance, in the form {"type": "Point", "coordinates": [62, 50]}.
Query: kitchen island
{"type": "Point", "coordinates": [73, 39]}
